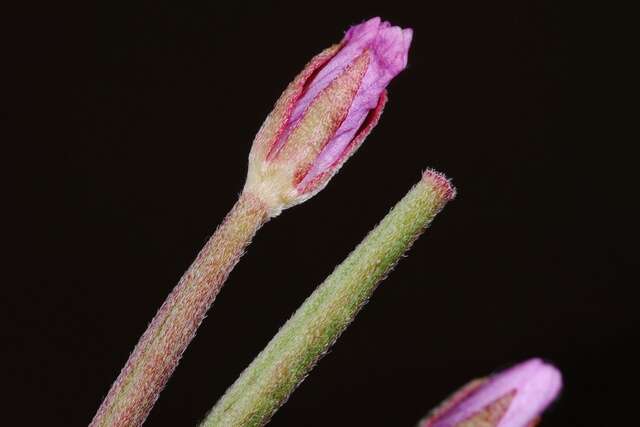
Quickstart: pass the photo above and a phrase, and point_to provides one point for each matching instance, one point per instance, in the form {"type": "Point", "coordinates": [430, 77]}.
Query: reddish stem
{"type": "Point", "coordinates": [158, 352]}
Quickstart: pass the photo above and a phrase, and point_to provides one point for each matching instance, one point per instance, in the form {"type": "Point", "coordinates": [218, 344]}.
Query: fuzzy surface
{"type": "Point", "coordinates": [160, 348]}
{"type": "Point", "coordinates": [273, 375]}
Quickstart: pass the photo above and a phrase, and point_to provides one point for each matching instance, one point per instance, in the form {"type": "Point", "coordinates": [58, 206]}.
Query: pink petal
{"type": "Point", "coordinates": [389, 47]}
{"type": "Point", "coordinates": [536, 385]}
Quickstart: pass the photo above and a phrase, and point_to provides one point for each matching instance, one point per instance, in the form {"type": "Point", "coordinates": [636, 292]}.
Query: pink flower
{"type": "Point", "coordinates": [512, 398]}
{"type": "Point", "coordinates": [325, 113]}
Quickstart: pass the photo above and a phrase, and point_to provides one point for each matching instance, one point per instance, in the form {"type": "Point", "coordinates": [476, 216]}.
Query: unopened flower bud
{"type": "Point", "coordinates": [325, 114]}
{"type": "Point", "coordinates": [512, 398]}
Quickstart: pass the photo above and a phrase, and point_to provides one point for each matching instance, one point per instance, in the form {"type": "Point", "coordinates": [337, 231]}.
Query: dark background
{"type": "Point", "coordinates": [136, 120]}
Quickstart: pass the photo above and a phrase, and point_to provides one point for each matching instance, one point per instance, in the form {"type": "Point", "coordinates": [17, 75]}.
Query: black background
{"type": "Point", "coordinates": [136, 120]}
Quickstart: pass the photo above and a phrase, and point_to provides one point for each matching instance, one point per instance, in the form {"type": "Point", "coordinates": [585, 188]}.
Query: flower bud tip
{"type": "Point", "coordinates": [515, 397]}
{"type": "Point", "coordinates": [325, 114]}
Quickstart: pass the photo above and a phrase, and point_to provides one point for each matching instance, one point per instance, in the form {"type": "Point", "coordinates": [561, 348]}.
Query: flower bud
{"type": "Point", "coordinates": [325, 114]}
{"type": "Point", "coordinates": [512, 398]}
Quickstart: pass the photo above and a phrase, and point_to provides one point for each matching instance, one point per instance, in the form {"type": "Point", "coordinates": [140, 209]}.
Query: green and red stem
{"type": "Point", "coordinates": [275, 373]}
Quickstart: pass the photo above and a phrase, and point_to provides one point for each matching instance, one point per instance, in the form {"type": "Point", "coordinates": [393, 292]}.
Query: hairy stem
{"type": "Point", "coordinates": [158, 352]}
{"type": "Point", "coordinates": [273, 375]}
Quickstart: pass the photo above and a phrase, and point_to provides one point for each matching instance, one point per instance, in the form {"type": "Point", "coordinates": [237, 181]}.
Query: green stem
{"type": "Point", "coordinates": [267, 383]}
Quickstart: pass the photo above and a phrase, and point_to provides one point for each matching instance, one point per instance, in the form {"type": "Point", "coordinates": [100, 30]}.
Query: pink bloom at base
{"type": "Point", "coordinates": [512, 398]}
{"type": "Point", "coordinates": [325, 114]}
